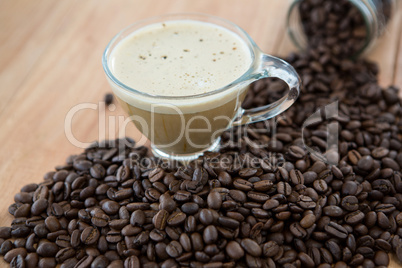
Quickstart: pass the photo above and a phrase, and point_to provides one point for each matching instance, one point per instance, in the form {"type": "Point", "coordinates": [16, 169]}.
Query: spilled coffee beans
{"type": "Point", "coordinates": [264, 200]}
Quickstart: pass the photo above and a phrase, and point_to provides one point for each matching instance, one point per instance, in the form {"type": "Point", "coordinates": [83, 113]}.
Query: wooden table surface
{"type": "Point", "coordinates": [50, 61]}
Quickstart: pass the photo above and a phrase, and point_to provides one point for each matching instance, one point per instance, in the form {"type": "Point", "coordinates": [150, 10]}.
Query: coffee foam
{"type": "Point", "coordinates": [180, 58]}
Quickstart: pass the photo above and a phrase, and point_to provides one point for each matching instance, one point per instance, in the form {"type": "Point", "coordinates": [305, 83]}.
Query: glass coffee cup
{"type": "Point", "coordinates": [182, 79]}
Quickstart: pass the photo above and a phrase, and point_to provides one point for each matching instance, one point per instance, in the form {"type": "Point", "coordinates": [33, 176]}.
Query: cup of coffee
{"type": "Point", "coordinates": [182, 79]}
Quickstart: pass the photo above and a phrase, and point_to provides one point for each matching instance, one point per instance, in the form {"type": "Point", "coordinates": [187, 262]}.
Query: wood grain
{"type": "Point", "coordinates": [50, 61]}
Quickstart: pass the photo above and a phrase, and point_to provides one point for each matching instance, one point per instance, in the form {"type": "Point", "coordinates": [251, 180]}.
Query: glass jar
{"type": "Point", "coordinates": [375, 13]}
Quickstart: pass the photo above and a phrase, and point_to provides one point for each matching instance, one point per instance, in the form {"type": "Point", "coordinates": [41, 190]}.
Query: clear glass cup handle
{"type": "Point", "coordinates": [270, 66]}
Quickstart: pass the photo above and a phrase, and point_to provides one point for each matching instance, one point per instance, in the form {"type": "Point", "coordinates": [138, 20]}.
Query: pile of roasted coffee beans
{"type": "Point", "coordinates": [112, 206]}
{"type": "Point", "coordinates": [335, 24]}
{"type": "Point", "coordinates": [338, 24]}
{"type": "Point", "coordinates": [264, 200]}
{"type": "Point", "coordinates": [352, 194]}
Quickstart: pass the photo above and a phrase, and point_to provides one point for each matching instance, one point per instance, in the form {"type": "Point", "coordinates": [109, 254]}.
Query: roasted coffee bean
{"type": "Point", "coordinates": [11, 254]}
{"type": "Point", "coordinates": [298, 231]}
{"type": "Point", "coordinates": [335, 250]}
{"type": "Point", "coordinates": [84, 262]}
{"type": "Point", "coordinates": [284, 188]}
{"type": "Point", "coordinates": [84, 216]}
{"type": "Point", "coordinates": [82, 165]}
{"type": "Point", "coordinates": [380, 152]}
{"type": "Point", "coordinates": [270, 249]}
{"type": "Point", "coordinates": [296, 177]}
{"type": "Point", "coordinates": [270, 204]}
{"type": "Point", "coordinates": [130, 230]}
{"type": "Point", "coordinates": [134, 206]}
{"type": "Point", "coordinates": [185, 242]}
{"type": "Point", "coordinates": [174, 249]}
{"type": "Point", "coordinates": [238, 196]}
{"type": "Point", "coordinates": [296, 151]}
{"type": "Point", "coordinates": [33, 221]}
{"type": "Point", "coordinates": [398, 252]}
{"type": "Point", "coordinates": [23, 211]}
{"type": "Point", "coordinates": [228, 222]}
{"type": "Point", "coordinates": [257, 196]}
{"type": "Point", "coordinates": [132, 262]}
{"type": "Point", "coordinates": [248, 172]}
{"type": "Point", "coordinates": [214, 200]}
{"type": "Point", "coordinates": [234, 250]}
{"type": "Point", "coordinates": [39, 206]}
{"type": "Point", "coordinates": [63, 241]}
{"type": "Point", "coordinates": [40, 230]}
{"type": "Point", "coordinates": [110, 207]}
{"type": "Point", "coordinates": [253, 261]}
{"type": "Point", "coordinates": [113, 236]}
{"type": "Point", "coordinates": [156, 174]}
{"type": "Point", "coordinates": [354, 217]}
{"type": "Point", "coordinates": [100, 261]}
{"type": "Point", "coordinates": [350, 203]}
{"type": "Point", "coordinates": [206, 217]}
{"type": "Point", "coordinates": [365, 163]}
{"type": "Point", "coordinates": [137, 218]}
{"type": "Point", "coordinates": [243, 185]}
{"type": "Point", "coordinates": [224, 178]}
{"type": "Point", "coordinates": [196, 241]}
{"type": "Point", "coordinates": [354, 157]}
{"type": "Point", "coordinates": [97, 171]}
{"type": "Point", "coordinates": [31, 260]}
{"type": "Point", "coordinates": [383, 220]}
{"type": "Point", "coordinates": [160, 219]}
{"type": "Point", "coordinates": [6, 246]}
{"type": "Point", "coordinates": [90, 235]}
{"type": "Point", "coordinates": [116, 264]}
{"type": "Point", "coordinates": [381, 258]}
{"type": "Point", "coordinates": [152, 194]}
{"type": "Point", "coordinates": [307, 221]}
{"type": "Point", "coordinates": [263, 185]}
{"type": "Point", "coordinates": [333, 211]}
{"type": "Point", "coordinates": [167, 203]}
{"type": "Point", "coordinates": [176, 218]}
{"type": "Point", "coordinates": [320, 186]}
{"type": "Point", "coordinates": [52, 224]}
{"type": "Point", "coordinates": [118, 224]}
{"type": "Point", "coordinates": [383, 245]}
{"type": "Point", "coordinates": [64, 254]}
{"type": "Point", "coordinates": [336, 230]}
{"type": "Point", "coordinates": [5, 232]}
{"type": "Point", "coordinates": [157, 235]}
{"type": "Point", "coordinates": [251, 247]}
{"type": "Point", "coordinates": [47, 262]}
{"type": "Point", "coordinates": [306, 260]}
{"type": "Point", "coordinates": [310, 177]}
{"type": "Point", "coordinates": [21, 231]}
{"type": "Point", "coordinates": [349, 188]}
{"type": "Point", "coordinates": [210, 234]}
{"type": "Point", "coordinates": [18, 261]}
{"type": "Point", "coordinates": [190, 208]}
{"type": "Point", "coordinates": [47, 249]}
{"type": "Point", "coordinates": [75, 238]}
{"type": "Point", "coordinates": [100, 220]}
{"type": "Point", "coordinates": [182, 196]}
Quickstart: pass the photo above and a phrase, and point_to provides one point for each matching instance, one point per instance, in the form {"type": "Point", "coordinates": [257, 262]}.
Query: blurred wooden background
{"type": "Point", "coordinates": [50, 61]}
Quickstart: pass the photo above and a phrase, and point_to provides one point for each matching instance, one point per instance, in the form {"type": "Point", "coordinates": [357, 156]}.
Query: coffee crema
{"type": "Point", "coordinates": [180, 58]}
